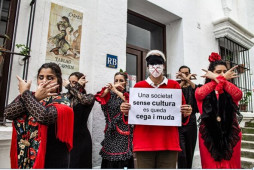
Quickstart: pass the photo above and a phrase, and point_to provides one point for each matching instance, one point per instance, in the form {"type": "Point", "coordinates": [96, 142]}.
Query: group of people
{"type": "Point", "coordinates": [50, 128]}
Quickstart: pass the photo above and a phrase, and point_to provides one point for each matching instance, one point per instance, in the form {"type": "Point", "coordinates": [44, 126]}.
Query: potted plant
{"type": "Point", "coordinates": [24, 50]}
{"type": "Point", "coordinates": [228, 61]}
{"type": "Point", "coordinates": [244, 102]}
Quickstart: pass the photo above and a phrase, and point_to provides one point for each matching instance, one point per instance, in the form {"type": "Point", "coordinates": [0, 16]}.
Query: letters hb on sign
{"type": "Point", "coordinates": [111, 61]}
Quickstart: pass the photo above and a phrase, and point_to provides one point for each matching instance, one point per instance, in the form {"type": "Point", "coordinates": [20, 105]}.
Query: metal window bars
{"type": "Point", "coordinates": [235, 54]}
{"type": "Point", "coordinates": [28, 44]}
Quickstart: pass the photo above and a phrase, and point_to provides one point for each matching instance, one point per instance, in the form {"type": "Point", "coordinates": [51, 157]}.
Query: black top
{"type": "Point", "coordinates": [219, 127]}
{"type": "Point", "coordinates": [82, 103]}
{"type": "Point", "coordinates": [189, 94]}
{"type": "Point", "coordinates": [117, 143]}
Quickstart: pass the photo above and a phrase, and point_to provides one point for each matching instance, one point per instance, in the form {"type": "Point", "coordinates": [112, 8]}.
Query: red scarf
{"type": "Point", "coordinates": [65, 122]}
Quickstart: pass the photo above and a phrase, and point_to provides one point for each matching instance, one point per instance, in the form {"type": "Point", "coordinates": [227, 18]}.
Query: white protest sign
{"type": "Point", "coordinates": [151, 106]}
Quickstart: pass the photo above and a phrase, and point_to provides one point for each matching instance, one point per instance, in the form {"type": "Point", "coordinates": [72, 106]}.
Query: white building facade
{"type": "Point", "coordinates": [187, 31]}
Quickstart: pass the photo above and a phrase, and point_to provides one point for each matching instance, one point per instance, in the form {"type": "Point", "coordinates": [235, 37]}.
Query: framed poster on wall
{"type": "Point", "coordinates": [64, 38]}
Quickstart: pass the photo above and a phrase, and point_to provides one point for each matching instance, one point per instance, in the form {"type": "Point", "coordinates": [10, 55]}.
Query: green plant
{"type": "Point", "coordinates": [245, 99]}
{"type": "Point", "coordinates": [228, 58]}
{"type": "Point", "coordinates": [24, 50]}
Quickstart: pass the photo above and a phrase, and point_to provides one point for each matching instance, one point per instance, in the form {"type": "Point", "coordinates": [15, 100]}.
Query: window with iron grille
{"type": "Point", "coordinates": [235, 54]}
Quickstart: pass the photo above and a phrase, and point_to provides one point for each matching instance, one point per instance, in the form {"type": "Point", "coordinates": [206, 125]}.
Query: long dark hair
{"type": "Point", "coordinates": [212, 66]}
{"type": "Point", "coordinates": [77, 74]}
{"type": "Point", "coordinates": [56, 70]}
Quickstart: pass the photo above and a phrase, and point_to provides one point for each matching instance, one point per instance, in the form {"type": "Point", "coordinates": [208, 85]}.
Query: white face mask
{"type": "Point", "coordinates": [155, 70]}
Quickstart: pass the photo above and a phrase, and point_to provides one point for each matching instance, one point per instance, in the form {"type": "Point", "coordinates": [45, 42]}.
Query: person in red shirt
{"type": "Point", "coordinates": [156, 146]}
{"type": "Point", "coordinates": [219, 132]}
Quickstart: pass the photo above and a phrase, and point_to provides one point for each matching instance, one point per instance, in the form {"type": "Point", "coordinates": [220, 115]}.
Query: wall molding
{"type": "Point", "coordinates": [227, 27]}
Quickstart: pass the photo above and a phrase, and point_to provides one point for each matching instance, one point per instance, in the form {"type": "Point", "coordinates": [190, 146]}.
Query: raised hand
{"type": "Point", "coordinates": [45, 90]}
{"type": "Point", "coordinates": [117, 87]}
{"type": "Point", "coordinates": [191, 76]}
{"type": "Point", "coordinates": [230, 74]}
{"type": "Point", "coordinates": [179, 75]}
{"type": "Point", "coordinates": [82, 81]}
{"type": "Point", "coordinates": [186, 110]}
{"type": "Point", "coordinates": [66, 82]}
{"type": "Point", "coordinates": [184, 77]}
{"type": "Point", "coordinates": [23, 85]}
{"type": "Point", "coordinates": [109, 86]}
{"type": "Point", "coordinates": [209, 74]}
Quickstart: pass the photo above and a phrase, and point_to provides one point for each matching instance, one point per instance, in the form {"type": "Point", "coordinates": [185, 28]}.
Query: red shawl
{"type": "Point", "coordinates": [65, 122]}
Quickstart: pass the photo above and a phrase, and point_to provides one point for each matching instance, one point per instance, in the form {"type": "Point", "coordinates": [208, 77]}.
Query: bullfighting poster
{"type": "Point", "coordinates": [64, 38]}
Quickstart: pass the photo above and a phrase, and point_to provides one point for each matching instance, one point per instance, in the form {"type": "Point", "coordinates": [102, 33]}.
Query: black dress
{"type": "Point", "coordinates": [116, 149]}
{"type": "Point", "coordinates": [57, 155]}
{"type": "Point", "coordinates": [188, 133]}
{"type": "Point", "coordinates": [82, 103]}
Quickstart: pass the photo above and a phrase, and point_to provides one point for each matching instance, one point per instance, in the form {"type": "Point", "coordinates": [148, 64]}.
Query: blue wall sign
{"type": "Point", "coordinates": [111, 61]}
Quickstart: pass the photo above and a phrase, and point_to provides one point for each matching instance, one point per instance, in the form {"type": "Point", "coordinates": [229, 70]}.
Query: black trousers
{"type": "Point", "coordinates": [188, 139]}
{"type": "Point", "coordinates": [106, 164]}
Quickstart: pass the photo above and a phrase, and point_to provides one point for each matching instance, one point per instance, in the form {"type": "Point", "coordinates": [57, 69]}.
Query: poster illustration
{"type": "Point", "coordinates": [64, 38]}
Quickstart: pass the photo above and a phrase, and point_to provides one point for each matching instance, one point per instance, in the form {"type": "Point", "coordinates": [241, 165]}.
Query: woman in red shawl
{"type": "Point", "coordinates": [219, 132]}
{"type": "Point", "coordinates": [42, 122]}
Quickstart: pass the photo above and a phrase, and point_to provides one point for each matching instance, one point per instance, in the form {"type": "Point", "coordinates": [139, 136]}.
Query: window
{"type": "Point", "coordinates": [143, 34]}
{"type": "Point", "coordinates": [235, 54]}
{"type": "Point", "coordinates": [7, 16]}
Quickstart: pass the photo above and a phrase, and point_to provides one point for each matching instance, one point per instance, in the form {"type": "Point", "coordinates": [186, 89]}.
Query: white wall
{"type": "Point", "coordinates": [175, 47]}
{"type": "Point", "coordinates": [197, 40]}
{"type": "Point", "coordinates": [110, 38]}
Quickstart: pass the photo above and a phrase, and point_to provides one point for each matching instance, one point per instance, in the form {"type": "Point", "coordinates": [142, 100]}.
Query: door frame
{"type": "Point", "coordinates": [141, 61]}
{"type": "Point", "coordinates": [154, 22]}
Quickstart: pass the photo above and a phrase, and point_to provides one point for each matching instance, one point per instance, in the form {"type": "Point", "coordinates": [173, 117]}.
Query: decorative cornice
{"type": "Point", "coordinates": [226, 27]}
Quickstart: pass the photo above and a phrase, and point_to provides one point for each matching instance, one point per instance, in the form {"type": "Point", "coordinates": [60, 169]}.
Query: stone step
{"type": "Point", "coordinates": [4, 153]}
{"type": "Point", "coordinates": [249, 124]}
{"type": "Point", "coordinates": [248, 130]}
{"type": "Point", "coordinates": [247, 163]}
{"type": "Point", "coordinates": [247, 153]}
{"type": "Point", "coordinates": [248, 137]}
{"type": "Point", "coordinates": [5, 132]}
{"type": "Point", "coordinates": [247, 144]}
